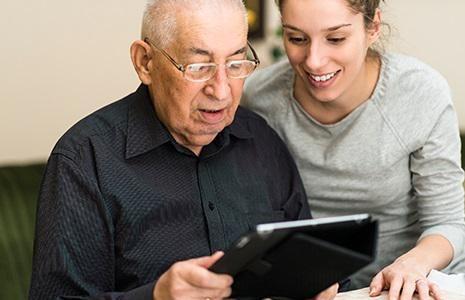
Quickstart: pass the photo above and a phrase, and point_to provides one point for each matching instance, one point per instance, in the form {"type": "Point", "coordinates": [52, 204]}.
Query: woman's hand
{"type": "Point", "coordinates": [403, 278]}
{"type": "Point", "coordinates": [407, 274]}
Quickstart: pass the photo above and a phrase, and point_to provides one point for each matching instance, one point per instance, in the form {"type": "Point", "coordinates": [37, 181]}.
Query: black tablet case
{"type": "Point", "coordinates": [298, 264]}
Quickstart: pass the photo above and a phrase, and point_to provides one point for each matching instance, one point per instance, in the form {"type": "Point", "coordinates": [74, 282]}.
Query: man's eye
{"type": "Point", "coordinates": [198, 68]}
{"type": "Point", "coordinates": [336, 40]}
{"type": "Point", "coordinates": [235, 65]}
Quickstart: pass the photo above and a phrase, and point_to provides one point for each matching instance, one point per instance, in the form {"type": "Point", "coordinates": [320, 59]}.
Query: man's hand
{"type": "Point", "coordinates": [328, 294]}
{"type": "Point", "coordinates": [191, 279]}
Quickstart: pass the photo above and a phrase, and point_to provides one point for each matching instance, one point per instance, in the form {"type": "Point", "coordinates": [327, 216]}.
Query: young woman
{"type": "Point", "coordinates": [371, 132]}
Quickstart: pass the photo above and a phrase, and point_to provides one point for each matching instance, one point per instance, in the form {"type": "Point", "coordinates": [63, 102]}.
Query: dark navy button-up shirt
{"type": "Point", "coordinates": [121, 201]}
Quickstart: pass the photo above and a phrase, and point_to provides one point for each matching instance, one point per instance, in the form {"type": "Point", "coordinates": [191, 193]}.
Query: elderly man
{"type": "Point", "coordinates": [139, 197]}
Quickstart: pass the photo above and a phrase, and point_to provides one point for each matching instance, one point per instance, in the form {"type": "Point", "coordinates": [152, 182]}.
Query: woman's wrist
{"type": "Point", "coordinates": [413, 259]}
{"type": "Point", "coordinates": [431, 252]}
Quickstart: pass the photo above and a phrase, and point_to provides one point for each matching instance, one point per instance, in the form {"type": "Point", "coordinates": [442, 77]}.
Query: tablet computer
{"type": "Point", "coordinates": [298, 259]}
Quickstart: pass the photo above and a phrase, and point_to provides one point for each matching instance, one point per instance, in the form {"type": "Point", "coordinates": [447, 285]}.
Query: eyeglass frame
{"type": "Point", "coordinates": [182, 67]}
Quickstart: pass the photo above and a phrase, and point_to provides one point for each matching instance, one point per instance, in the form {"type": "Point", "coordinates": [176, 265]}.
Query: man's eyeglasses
{"type": "Point", "coordinates": [198, 72]}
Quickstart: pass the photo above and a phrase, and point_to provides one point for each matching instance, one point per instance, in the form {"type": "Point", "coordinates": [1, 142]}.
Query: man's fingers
{"type": "Point", "coordinates": [191, 278]}
{"type": "Point", "coordinates": [207, 261]}
{"type": "Point", "coordinates": [201, 277]}
{"type": "Point", "coordinates": [224, 293]}
{"type": "Point", "coordinates": [212, 294]}
{"type": "Point", "coordinates": [198, 293]}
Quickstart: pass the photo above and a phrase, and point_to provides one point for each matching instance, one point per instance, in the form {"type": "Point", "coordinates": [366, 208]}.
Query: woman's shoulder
{"type": "Point", "coordinates": [272, 84]}
{"type": "Point", "coordinates": [412, 94]}
{"type": "Point", "coordinates": [410, 82]}
{"type": "Point", "coordinates": [410, 72]}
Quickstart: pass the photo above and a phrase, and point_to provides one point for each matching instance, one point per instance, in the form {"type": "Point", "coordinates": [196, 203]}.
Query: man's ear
{"type": "Point", "coordinates": [375, 31]}
{"type": "Point", "coordinates": [141, 59]}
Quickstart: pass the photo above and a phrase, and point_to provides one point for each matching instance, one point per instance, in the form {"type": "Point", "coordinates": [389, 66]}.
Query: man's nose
{"type": "Point", "coordinates": [218, 85]}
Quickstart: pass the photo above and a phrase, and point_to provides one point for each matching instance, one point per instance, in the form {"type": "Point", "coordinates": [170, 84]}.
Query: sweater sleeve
{"type": "Point", "coordinates": [437, 180]}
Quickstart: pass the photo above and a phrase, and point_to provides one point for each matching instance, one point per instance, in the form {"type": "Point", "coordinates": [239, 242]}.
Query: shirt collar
{"type": "Point", "coordinates": [238, 128]}
{"type": "Point", "coordinates": [145, 131]}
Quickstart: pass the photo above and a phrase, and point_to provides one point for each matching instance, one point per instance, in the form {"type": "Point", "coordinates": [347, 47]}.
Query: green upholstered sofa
{"type": "Point", "coordinates": [19, 186]}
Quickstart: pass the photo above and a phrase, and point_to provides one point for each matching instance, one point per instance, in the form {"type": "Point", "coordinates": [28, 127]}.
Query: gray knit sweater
{"type": "Point", "coordinates": [396, 156]}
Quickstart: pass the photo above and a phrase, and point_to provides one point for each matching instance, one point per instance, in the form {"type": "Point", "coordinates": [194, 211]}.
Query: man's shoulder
{"type": "Point", "coordinates": [245, 116]}
{"type": "Point", "coordinates": [101, 124]}
{"type": "Point", "coordinates": [256, 125]}
{"type": "Point", "coordinates": [264, 139]}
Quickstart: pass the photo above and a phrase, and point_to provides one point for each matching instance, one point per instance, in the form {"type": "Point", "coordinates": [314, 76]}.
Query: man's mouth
{"type": "Point", "coordinates": [210, 110]}
{"type": "Point", "coordinates": [212, 116]}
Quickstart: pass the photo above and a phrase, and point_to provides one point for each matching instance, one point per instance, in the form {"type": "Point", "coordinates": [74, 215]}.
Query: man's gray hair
{"type": "Point", "coordinates": [159, 20]}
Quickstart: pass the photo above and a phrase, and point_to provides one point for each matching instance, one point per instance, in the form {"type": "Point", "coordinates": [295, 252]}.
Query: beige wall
{"type": "Point", "coordinates": [433, 31]}
{"type": "Point", "coordinates": [62, 59]}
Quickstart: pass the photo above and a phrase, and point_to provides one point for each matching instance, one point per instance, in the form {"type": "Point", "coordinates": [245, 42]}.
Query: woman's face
{"type": "Point", "coordinates": [327, 43]}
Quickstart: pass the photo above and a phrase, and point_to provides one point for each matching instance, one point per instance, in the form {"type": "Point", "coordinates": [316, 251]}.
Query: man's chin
{"type": "Point", "coordinates": [211, 129]}
{"type": "Point", "coordinates": [203, 135]}
{"type": "Point", "coordinates": [203, 139]}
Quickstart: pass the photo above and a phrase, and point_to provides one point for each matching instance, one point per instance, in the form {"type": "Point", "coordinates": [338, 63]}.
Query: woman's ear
{"type": "Point", "coordinates": [375, 31]}
{"type": "Point", "coordinates": [141, 60]}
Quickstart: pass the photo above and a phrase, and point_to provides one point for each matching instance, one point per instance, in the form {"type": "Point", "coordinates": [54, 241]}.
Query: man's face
{"type": "Point", "coordinates": [195, 112]}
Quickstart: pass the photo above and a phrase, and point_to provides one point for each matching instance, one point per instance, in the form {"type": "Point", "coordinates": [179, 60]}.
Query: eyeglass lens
{"type": "Point", "coordinates": [205, 71]}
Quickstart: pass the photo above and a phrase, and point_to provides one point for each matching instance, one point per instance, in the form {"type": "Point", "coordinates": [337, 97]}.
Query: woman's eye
{"type": "Point", "coordinates": [297, 40]}
{"type": "Point", "coordinates": [336, 40]}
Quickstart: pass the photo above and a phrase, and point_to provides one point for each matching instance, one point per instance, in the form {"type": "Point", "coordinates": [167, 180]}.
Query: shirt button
{"type": "Point", "coordinates": [211, 205]}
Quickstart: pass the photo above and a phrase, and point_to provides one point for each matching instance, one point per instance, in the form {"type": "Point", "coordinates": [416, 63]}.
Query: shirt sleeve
{"type": "Point", "coordinates": [74, 255]}
{"type": "Point", "coordinates": [437, 179]}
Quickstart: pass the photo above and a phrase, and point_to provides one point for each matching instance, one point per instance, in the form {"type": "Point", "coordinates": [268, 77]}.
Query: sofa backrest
{"type": "Point", "coordinates": [19, 186]}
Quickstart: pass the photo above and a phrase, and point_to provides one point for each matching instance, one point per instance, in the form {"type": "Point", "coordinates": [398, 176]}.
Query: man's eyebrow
{"type": "Point", "coordinates": [332, 28]}
{"type": "Point", "coordinates": [199, 51]}
{"type": "Point", "coordinates": [240, 51]}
